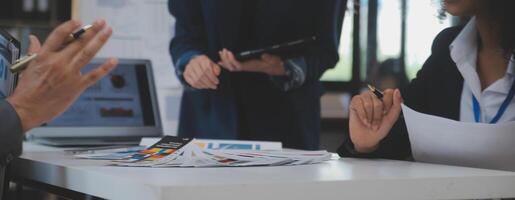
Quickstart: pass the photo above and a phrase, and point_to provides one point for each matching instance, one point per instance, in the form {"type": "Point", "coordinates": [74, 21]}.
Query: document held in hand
{"type": "Point", "coordinates": [444, 141]}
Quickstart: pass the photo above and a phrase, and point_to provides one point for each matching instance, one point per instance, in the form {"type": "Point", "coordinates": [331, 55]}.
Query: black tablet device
{"type": "Point", "coordinates": [9, 53]}
{"type": "Point", "coordinates": [285, 50]}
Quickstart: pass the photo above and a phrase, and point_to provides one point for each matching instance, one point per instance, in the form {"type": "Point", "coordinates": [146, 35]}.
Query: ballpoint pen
{"type": "Point", "coordinates": [21, 63]}
{"type": "Point", "coordinates": [376, 92]}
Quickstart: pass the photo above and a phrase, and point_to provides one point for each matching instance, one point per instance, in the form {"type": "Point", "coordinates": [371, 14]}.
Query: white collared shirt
{"type": "Point", "coordinates": [464, 53]}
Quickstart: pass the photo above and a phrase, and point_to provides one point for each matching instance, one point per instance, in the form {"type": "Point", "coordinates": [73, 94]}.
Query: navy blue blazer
{"type": "Point", "coordinates": [436, 91]}
{"type": "Point", "coordinates": [249, 105]}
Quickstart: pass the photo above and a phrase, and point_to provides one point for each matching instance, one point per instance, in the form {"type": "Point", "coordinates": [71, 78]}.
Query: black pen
{"type": "Point", "coordinates": [21, 63]}
{"type": "Point", "coordinates": [377, 92]}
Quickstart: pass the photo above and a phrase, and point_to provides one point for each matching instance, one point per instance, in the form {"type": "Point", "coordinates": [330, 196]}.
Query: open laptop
{"type": "Point", "coordinates": [118, 110]}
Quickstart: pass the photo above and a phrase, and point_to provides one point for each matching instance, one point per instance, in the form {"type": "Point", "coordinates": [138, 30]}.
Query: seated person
{"type": "Point", "coordinates": [50, 83]}
{"type": "Point", "coordinates": [470, 65]}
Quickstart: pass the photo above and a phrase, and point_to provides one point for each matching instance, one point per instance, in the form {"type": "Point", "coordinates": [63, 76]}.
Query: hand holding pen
{"type": "Point", "coordinates": [22, 63]}
{"type": "Point", "coordinates": [372, 115]}
{"type": "Point", "coordinates": [53, 78]}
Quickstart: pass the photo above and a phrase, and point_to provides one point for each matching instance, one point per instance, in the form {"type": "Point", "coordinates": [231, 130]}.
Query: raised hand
{"type": "Point", "coordinates": [53, 81]}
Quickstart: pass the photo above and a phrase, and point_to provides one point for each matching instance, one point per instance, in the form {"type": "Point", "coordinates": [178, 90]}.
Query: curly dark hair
{"type": "Point", "coordinates": [502, 12]}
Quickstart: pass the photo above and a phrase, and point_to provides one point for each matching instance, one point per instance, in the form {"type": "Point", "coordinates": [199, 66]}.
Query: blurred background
{"type": "Point", "coordinates": [383, 42]}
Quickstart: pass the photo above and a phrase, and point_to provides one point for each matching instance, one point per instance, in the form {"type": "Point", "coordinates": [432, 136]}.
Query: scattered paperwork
{"type": "Point", "coordinates": [173, 151]}
{"type": "Point", "coordinates": [444, 141]}
{"type": "Point", "coordinates": [223, 144]}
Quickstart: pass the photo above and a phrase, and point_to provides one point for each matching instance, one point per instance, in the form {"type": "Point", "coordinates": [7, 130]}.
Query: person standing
{"type": "Point", "coordinates": [267, 98]}
{"type": "Point", "coordinates": [50, 84]}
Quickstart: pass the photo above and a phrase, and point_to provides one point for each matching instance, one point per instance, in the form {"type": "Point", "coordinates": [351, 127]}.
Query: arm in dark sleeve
{"type": "Point", "coordinates": [188, 41]}
{"type": "Point", "coordinates": [11, 134]}
{"type": "Point", "coordinates": [324, 53]}
{"type": "Point", "coordinates": [396, 144]}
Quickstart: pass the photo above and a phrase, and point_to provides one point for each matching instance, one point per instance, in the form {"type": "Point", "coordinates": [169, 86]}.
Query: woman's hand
{"type": "Point", "coordinates": [268, 64]}
{"type": "Point", "coordinates": [372, 118]}
{"type": "Point", "coordinates": [202, 73]}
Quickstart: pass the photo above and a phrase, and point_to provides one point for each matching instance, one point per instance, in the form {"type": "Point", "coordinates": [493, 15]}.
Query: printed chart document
{"type": "Point", "coordinates": [223, 144]}
{"type": "Point", "coordinates": [444, 141]}
{"type": "Point", "coordinates": [173, 151]}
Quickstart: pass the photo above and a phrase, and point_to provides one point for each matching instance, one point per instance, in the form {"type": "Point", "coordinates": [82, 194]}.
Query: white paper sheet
{"type": "Point", "coordinates": [444, 141]}
{"type": "Point", "coordinates": [141, 29]}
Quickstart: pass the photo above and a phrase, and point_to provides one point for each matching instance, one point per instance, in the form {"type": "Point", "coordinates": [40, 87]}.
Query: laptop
{"type": "Point", "coordinates": [120, 109]}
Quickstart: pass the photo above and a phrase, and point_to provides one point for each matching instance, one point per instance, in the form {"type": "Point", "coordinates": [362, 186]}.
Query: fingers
{"type": "Point", "coordinates": [377, 113]}
{"type": "Point", "coordinates": [210, 79]}
{"type": "Point", "coordinates": [95, 75]}
{"type": "Point", "coordinates": [228, 61]}
{"type": "Point", "coordinates": [199, 81]}
{"type": "Point", "coordinates": [202, 73]}
{"type": "Point", "coordinates": [85, 38]}
{"type": "Point", "coordinates": [395, 110]}
{"type": "Point", "coordinates": [224, 61]}
{"type": "Point", "coordinates": [190, 75]}
{"type": "Point", "coordinates": [87, 53]}
{"type": "Point", "coordinates": [233, 60]}
{"type": "Point", "coordinates": [372, 110]}
{"type": "Point", "coordinates": [387, 100]}
{"type": "Point", "coordinates": [358, 108]}
{"type": "Point", "coordinates": [267, 58]}
{"type": "Point", "coordinates": [57, 38]}
{"type": "Point", "coordinates": [217, 70]}
{"type": "Point", "coordinates": [35, 45]}
{"type": "Point", "coordinates": [270, 58]}
{"type": "Point", "coordinates": [368, 103]}
{"type": "Point", "coordinates": [211, 76]}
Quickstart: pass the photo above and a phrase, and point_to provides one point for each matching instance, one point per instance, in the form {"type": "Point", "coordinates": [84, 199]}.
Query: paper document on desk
{"type": "Point", "coordinates": [213, 144]}
{"type": "Point", "coordinates": [444, 141]}
{"type": "Point", "coordinates": [172, 151]}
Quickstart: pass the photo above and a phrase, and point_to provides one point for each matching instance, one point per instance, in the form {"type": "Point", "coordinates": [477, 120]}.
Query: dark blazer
{"type": "Point", "coordinates": [11, 137]}
{"type": "Point", "coordinates": [436, 91]}
{"type": "Point", "coordinates": [249, 105]}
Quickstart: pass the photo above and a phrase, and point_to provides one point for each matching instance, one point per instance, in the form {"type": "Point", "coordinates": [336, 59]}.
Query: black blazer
{"type": "Point", "coordinates": [249, 105]}
{"type": "Point", "coordinates": [11, 138]}
{"type": "Point", "coordinates": [436, 91]}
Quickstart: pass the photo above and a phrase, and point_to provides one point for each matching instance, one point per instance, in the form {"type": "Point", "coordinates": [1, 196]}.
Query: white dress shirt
{"type": "Point", "coordinates": [464, 53]}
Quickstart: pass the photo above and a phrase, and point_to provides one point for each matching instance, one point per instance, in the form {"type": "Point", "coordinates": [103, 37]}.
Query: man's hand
{"type": "Point", "coordinates": [268, 64]}
{"type": "Point", "coordinates": [202, 73]}
{"type": "Point", "coordinates": [53, 81]}
{"type": "Point", "coordinates": [371, 118]}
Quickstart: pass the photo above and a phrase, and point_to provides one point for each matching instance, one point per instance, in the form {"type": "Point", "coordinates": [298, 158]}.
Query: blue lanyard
{"type": "Point", "coordinates": [500, 112]}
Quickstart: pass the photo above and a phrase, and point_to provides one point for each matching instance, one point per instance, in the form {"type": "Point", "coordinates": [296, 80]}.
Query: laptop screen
{"type": "Point", "coordinates": [120, 99]}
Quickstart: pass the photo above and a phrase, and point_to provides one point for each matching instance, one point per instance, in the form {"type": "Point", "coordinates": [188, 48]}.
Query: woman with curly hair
{"type": "Point", "coordinates": [469, 77]}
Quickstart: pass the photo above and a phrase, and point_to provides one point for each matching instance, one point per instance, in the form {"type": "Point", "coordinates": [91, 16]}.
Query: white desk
{"type": "Point", "coordinates": [336, 179]}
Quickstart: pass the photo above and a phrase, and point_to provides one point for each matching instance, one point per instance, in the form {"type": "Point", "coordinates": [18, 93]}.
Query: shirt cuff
{"type": "Point", "coordinates": [295, 77]}
{"type": "Point", "coordinates": [182, 62]}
